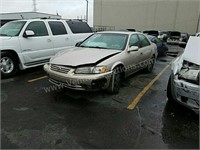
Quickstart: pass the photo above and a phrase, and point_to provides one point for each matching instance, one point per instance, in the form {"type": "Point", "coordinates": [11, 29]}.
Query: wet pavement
{"type": "Point", "coordinates": [37, 115]}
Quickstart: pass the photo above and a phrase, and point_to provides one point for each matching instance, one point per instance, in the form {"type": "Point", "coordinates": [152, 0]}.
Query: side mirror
{"type": "Point", "coordinates": [78, 44]}
{"type": "Point", "coordinates": [28, 33]}
{"type": "Point", "coordinates": [182, 44]}
{"type": "Point", "coordinates": [133, 48]}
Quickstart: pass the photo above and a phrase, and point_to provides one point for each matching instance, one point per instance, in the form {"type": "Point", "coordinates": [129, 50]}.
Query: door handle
{"type": "Point", "coordinates": [48, 40]}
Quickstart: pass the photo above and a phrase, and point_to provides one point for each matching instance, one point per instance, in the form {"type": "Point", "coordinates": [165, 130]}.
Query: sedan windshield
{"type": "Point", "coordinates": [106, 41]}
{"type": "Point", "coordinates": [12, 28]}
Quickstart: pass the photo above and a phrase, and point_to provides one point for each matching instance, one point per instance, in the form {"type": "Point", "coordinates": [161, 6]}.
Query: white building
{"type": "Point", "coordinates": [163, 15]}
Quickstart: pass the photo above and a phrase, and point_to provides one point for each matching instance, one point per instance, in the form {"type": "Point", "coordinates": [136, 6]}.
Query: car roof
{"type": "Point", "coordinates": [49, 19]}
{"type": "Point", "coordinates": [120, 32]}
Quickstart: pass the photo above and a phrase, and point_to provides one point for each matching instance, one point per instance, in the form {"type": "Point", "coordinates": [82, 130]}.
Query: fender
{"type": "Point", "coordinates": [117, 64]}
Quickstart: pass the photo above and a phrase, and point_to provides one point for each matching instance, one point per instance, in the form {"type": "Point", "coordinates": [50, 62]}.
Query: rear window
{"type": "Point", "coordinates": [79, 27]}
{"type": "Point", "coordinates": [175, 34]}
{"type": "Point", "coordinates": [151, 32]}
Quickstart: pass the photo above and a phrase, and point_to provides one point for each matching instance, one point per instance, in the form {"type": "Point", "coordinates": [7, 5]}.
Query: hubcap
{"type": "Point", "coordinates": [7, 65]}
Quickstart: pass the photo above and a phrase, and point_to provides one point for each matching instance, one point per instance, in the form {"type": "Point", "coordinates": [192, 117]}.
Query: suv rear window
{"type": "Point", "coordinates": [79, 27]}
{"type": "Point", "coordinates": [57, 28]}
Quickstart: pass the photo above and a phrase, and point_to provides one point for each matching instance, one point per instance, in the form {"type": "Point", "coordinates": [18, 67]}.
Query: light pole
{"type": "Point", "coordinates": [198, 23]}
{"type": "Point", "coordinates": [86, 11]}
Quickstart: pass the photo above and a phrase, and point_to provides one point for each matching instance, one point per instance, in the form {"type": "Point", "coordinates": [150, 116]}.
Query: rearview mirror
{"type": "Point", "coordinates": [133, 48]}
{"type": "Point", "coordinates": [28, 33]}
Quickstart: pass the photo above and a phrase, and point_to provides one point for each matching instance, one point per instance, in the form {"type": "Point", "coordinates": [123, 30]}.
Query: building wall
{"type": "Point", "coordinates": [180, 15]}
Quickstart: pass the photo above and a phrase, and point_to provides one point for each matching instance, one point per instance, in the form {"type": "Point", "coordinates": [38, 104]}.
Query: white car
{"type": "Point", "coordinates": [184, 85]}
{"type": "Point", "coordinates": [29, 43]}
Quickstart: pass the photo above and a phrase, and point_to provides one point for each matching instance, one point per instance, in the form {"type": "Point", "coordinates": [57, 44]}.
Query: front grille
{"type": "Point", "coordinates": [61, 69]}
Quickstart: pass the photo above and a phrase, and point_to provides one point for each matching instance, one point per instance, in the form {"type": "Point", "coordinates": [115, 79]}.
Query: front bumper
{"type": "Point", "coordinates": [89, 82]}
{"type": "Point", "coordinates": [186, 93]}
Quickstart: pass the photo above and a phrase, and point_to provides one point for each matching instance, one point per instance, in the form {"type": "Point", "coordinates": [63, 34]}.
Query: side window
{"type": "Point", "coordinates": [154, 40]}
{"type": "Point", "coordinates": [157, 40]}
{"type": "Point", "coordinates": [79, 27]}
{"type": "Point", "coordinates": [38, 27]}
{"type": "Point", "coordinates": [144, 41]}
{"type": "Point", "coordinates": [134, 41]}
{"type": "Point", "coordinates": [57, 28]}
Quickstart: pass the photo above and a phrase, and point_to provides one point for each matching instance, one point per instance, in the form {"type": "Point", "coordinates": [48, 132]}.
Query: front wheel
{"type": "Point", "coordinates": [169, 90]}
{"type": "Point", "coordinates": [115, 82]}
{"type": "Point", "coordinates": [9, 66]}
{"type": "Point", "coordinates": [150, 65]}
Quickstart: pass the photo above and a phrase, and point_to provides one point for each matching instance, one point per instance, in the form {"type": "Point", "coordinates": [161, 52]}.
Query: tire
{"type": "Point", "coordinates": [169, 90]}
{"type": "Point", "coordinates": [115, 82]}
{"type": "Point", "coordinates": [150, 66]}
{"type": "Point", "coordinates": [164, 53]}
{"type": "Point", "coordinates": [9, 65]}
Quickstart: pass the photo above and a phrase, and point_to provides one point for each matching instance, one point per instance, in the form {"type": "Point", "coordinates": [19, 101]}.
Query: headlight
{"type": "Point", "coordinates": [99, 69]}
{"type": "Point", "coordinates": [91, 70]}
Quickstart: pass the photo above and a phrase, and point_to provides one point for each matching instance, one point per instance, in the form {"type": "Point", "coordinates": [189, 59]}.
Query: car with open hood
{"type": "Point", "coordinates": [102, 61]}
{"type": "Point", "coordinates": [174, 37]}
{"type": "Point", "coordinates": [184, 85]}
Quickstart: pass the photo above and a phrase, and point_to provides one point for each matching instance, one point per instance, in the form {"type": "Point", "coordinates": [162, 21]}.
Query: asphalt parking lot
{"type": "Point", "coordinates": [35, 114]}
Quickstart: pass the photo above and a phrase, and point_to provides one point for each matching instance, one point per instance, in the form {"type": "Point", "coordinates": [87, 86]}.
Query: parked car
{"type": "Point", "coordinates": [130, 29]}
{"type": "Point", "coordinates": [152, 32]}
{"type": "Point", "coordinates": [102, 61]}
{"type": "Point", "coordinates": [184, 84]}
{"type": "Point", "coordinates": [163, 35]}
{"type": "Point", "coordinates": [174, 37]}
{"type": "Point", "coordinates": [29, 43]}
{"type": "Point", "coordinates": [161, 47]}
{"type": "Point", "coordinates": [184, 37]}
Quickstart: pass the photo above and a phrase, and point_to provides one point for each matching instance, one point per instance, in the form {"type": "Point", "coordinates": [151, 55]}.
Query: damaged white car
{"type": "Point", "coordinates": [183, 85]}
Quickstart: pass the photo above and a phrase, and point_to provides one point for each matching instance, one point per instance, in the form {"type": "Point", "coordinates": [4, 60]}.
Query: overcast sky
{"type": "Point", "coordinates": [68, 9]}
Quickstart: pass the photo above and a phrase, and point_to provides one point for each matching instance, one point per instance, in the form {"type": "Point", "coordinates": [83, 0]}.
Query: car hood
{"type": "Point", "coordinates": [78, 56]}
{"type": "Point", "coordinates": [192, 50]}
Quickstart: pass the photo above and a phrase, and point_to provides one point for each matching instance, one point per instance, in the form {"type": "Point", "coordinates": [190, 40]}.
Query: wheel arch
{"type": "Point", "coordinates": [14, 53]}
{"type": "Point", "coordinates": [119, 64]}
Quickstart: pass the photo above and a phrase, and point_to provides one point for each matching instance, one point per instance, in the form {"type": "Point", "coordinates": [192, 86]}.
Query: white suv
{"type": "Point", "coordinates": [30, 43]}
